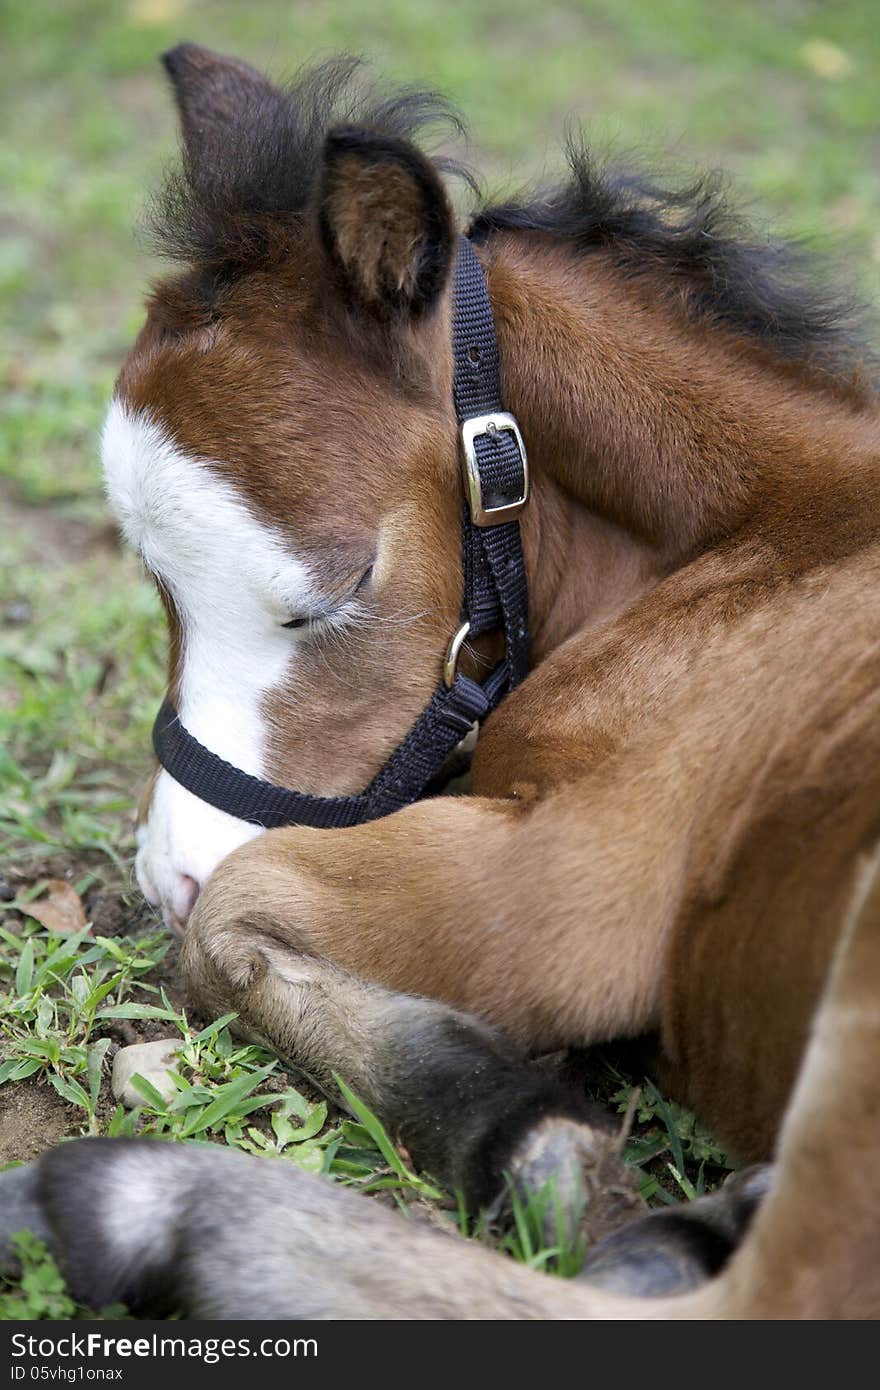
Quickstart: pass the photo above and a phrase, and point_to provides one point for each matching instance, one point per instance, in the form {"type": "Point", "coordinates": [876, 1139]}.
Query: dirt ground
{"type": "Point", "coordinates": [33, 1116]}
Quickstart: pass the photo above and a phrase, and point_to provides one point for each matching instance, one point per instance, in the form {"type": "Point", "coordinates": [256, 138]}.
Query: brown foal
{"type": "Point", "coordinates": [670, 818]}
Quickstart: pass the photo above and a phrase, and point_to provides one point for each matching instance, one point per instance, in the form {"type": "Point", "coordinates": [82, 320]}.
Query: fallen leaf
{"type": "Point", "coordinates": [150, 12]}
{"type": "Point", "coordinates": [60, 909]}
{"type": "Point", "coordinates": [826, 59]}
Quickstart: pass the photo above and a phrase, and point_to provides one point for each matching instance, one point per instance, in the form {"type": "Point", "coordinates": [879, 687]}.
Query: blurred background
{"type": "Point", "coordinates": [782, 93]}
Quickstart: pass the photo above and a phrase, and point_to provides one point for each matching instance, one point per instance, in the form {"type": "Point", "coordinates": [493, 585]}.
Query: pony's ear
{"type": "Point", "coordinates": [215, 95]}
{"type": "Point", "coordinates": [385, 223]}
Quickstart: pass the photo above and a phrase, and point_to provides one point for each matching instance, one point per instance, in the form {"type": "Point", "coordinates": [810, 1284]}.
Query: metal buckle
{"type": "Point", "coordinates": [453, 651]}
{"type": "Point", "coordinates": [498, 421]}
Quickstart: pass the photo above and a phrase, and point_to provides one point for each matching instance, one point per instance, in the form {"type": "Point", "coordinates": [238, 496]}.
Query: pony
{"type": "Point", "coordinates": [672, 825]}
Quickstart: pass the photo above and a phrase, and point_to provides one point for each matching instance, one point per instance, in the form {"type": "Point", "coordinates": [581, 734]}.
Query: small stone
{"type": "Point", "coordinates": [18, 613]}
{"type": "Point", "coordinates": [152, 1061]}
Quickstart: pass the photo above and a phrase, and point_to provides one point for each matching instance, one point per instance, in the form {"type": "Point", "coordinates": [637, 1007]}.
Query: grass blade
{"type": "Point", "coordinates": [374, 1128]}
{"type": "Point", "coordinates": [25, 970]}
{"type": "Point", "coordinates": [228, 1098]}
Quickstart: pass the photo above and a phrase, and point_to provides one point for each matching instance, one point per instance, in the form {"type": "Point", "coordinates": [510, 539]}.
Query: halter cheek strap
{"type": "Point", "coordinates": [495, 598]}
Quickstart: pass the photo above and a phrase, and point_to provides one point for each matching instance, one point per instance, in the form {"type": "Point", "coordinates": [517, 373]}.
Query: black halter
{"type": "Point", "coordinates": [495, 597]}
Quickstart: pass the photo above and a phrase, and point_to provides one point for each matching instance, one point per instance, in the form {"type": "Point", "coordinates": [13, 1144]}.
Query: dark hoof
{"type": "Point", "coordinates": [593, 1191]}
{"type": "Point", "coordinates": [679, 1248]}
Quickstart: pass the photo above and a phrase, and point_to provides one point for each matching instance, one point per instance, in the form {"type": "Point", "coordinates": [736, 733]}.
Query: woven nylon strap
{"type": "Point", "coordinates": [495, 592]}
{"type": "Point", "coordinates": [495, 597]}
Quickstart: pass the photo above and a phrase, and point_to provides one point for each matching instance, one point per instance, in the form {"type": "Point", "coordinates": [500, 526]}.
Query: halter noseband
{"type": "Point", "coordinates": [495, 597]}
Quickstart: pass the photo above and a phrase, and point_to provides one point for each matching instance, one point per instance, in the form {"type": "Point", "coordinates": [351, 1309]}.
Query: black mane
{"type": "Point", "coordinates": [777, 292]}
{"type": "Point", "coordinates": [237, 215]}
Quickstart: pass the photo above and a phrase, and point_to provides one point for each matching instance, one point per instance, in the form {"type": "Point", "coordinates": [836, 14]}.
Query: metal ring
{"type": "Point", "coordinates": [453, 651]}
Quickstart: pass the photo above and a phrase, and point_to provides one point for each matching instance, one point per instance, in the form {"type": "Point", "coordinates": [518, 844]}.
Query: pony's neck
{"type": "Point", "coordinates": [650, 438]}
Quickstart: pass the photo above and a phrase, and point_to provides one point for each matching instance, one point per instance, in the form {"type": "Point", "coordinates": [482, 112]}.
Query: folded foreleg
{"type": "Point", "coordinates": [460, 1096]}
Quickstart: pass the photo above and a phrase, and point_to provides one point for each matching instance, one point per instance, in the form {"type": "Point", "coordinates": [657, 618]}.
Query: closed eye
{"type": "Point", "coordinates": [326, 614]}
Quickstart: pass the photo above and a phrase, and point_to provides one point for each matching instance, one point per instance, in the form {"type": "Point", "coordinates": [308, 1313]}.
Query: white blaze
{"type": "Point", "coordinates": [233, 581]}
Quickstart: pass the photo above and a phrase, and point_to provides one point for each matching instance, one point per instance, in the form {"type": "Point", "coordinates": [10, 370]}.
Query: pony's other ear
{"type": "Point", "coordinates": [215, 95]}
{"type": "Point", "coordinates": [385, 223]}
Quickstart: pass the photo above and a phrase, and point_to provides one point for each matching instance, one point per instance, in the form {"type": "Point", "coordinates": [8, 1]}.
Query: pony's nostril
{"type": "Point", "coordinates": [185, 893]}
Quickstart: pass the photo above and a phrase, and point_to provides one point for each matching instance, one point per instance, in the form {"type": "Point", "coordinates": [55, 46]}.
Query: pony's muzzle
{"type": "Point", "coordinates": [178, 899]}
{"type": "Point", "coordinates": [186, 891]}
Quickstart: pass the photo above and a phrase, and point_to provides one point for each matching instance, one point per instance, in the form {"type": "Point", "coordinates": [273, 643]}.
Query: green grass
{"type": "Point", "coordinates": [39, 1291]}
{"type": "Point", "coordinates": [782, 95]}
{"type": "Point", "coordinates": [59, 990]}
{"type": "Point", "coordinates": [678, 1156]}
{"type": "Point", "coordinates": [62, 993]}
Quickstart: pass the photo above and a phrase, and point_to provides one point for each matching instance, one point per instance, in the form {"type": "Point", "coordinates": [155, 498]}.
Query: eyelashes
{"type": "Point", "coordinates": [302, 620]}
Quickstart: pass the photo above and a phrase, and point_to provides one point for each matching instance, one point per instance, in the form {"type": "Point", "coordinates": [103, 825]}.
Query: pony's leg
{"type": "Point", "coordinates": [229, 1236]}
{"type": "Point", "coordinates": [458, 1093]}
{"type": "Point", "coordinates": [811, 1246]}
{"type": "Point", "coordinates": [221, 1235]}
{"type": "Point", "coordinates": [547, 920]}
{"type": "Point", "coordinates": [812, 1250]}
{"type": "Point", "coordinates": [460, 1096]}
{"type": "Point", "coordinates": [218, 1234]}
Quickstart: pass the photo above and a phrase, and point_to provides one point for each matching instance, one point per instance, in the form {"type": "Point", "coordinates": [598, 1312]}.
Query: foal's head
{"type": "Point", "coordinates": [281, 446]}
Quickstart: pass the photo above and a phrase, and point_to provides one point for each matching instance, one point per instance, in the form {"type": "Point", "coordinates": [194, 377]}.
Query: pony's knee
{"type": "Point", "coordinates": [246, 921]}
{"type": "Point", "coordinates": [221, 955]}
